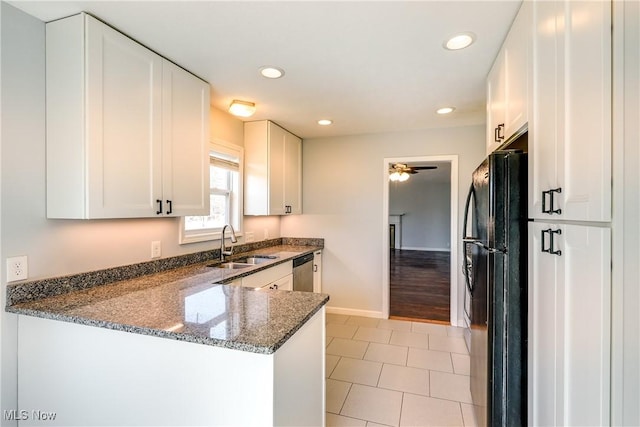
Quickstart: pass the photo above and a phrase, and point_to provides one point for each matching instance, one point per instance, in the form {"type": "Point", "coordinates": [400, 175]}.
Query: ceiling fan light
{"type": "Point", "coordinates": [395, 176]}
{"type": "Point", "coordinates": [403, 177]}
{"type": "Point", "coordinates": [242, 108]}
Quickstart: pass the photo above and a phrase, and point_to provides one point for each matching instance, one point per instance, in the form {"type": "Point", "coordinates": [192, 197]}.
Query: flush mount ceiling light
{"type": "Point", "coordinates": [459, 41]}
{"type": "Point", "coordinates": [271, 72]}
{"type": "Point", "coordinates": [445, 110]}
{"type": "Point", "coordinates": [325, 122]}
{"type": "Point", "coordinates": [242, 108]}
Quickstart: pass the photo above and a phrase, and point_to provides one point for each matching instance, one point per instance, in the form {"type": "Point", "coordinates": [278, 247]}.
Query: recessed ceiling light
{"type": "Point", "coordinates": [445, 110]}
{"type": "Point", "coordinates": [460, 41]}
{"type": "Point", "coordinates": [325, 122]}
{"type": "Point", "coordinates": [272, 72]}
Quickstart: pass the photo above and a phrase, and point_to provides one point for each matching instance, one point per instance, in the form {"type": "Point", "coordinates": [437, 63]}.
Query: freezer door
{"type": "Point", "coordinates": [507, 312]}
{"type": "Point", "coordinates": [476, 244]}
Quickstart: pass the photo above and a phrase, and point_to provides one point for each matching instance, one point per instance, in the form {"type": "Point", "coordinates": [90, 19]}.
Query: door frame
{"type": "Point", "coordinates": [454, 276]}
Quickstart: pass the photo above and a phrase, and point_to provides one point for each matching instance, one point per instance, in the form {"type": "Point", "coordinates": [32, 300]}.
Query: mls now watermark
{"type": "Point", "coordinates": [24, 415]}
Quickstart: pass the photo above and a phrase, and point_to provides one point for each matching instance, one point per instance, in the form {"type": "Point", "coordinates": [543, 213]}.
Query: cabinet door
{"type": "Point", "coordinates": [516, 72]}
{"type": "Point", "coordinates": [317, 271]}
{"type": "Point", "coordinates": [571, 149]}
{"type": "Point", "coordinates": [277, 166]}
{"type": "Point", "coordinates": [585, 97]}
{"type": "Point", "coordinates": [496, 104]}
{"type": "Point", "coordinates": [569, 321]}
{"type": "Point", "coordinates": [543, 135]}
{"type": "Point", "coordinates": [283, 284]}
{"type": "Point", "coordinates": [124, 118]}
{"type": "Point", "coordinates": [185, 135]}
{"type": "Point", "coordinates": [293, 173]}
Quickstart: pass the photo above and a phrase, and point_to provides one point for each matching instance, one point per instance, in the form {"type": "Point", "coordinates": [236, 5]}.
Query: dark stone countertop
{"type": "Point", "coordinates": [187, 303]}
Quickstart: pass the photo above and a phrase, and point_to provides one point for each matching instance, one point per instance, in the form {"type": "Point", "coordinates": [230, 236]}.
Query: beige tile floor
{"type": "Point", "coordinates": [396, 373]}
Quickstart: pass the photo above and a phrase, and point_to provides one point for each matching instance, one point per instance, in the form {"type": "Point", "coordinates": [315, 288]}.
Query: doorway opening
{"type": "Point", "coordinates": [420, 230]}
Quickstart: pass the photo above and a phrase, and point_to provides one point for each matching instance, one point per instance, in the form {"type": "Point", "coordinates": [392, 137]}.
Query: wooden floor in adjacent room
{"type": "Point", "coordinates": [420, 285]}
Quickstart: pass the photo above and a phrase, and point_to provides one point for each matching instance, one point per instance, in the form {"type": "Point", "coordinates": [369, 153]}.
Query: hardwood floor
{"type": "Point", "coordinates": [419, 285]}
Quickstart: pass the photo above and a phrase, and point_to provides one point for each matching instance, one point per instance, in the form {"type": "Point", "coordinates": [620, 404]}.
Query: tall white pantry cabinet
{"type": "Point", "coordinates": [127, 130]}
{"type": "Point", "coordinates": [570, 153]}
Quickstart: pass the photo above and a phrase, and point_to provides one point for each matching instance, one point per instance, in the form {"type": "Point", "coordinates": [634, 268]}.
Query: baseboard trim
{"type": "Point", "coordinates": [355, 312]}
{"type": "Point", "coordinates": [411, 248]}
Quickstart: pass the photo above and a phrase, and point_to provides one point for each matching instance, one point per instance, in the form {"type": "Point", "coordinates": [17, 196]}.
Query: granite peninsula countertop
{"type": "Point", "coordinates": [189, 303]}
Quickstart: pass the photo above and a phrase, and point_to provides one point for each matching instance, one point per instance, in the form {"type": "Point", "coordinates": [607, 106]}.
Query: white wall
{"type": "Point", "coordinates": [426, 205]}
{"type": "Point", "coordinates": [61, 247]}
{"type": "Point", "coordinates": [342, 201]}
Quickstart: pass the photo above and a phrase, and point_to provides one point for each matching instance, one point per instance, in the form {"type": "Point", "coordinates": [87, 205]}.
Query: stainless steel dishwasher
{"type": "Point", "coordinates": [303, 273]}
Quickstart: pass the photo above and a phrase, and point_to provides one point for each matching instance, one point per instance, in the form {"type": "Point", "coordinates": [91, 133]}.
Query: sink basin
{"type": "Point", "coordinates": [254, 260]}
{"type": "Point", "coordinates": [232, 265]}
{"type": "Point", "coordinates": [245, 262]}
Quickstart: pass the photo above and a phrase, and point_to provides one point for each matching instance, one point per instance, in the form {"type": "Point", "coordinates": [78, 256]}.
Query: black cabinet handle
{"type": "Point", "coordinates": [550, 210]}
{"type": "Point", "coordinates": [496, 138]}
{"type": "Point", "coordinates": [287, 209]}
{"type": "Point", "coordinates": [170, 203]}
{"type": "Point", "coordinates": [550, 249]}
{"type": "Point", "coordinates": [552, 252]}
{"type": "Point", "coordinates": [315, 268]}
{"type": "Point", "coordinates": [159, 211]}
{"type": "Point", "coordinates": [500, 135]}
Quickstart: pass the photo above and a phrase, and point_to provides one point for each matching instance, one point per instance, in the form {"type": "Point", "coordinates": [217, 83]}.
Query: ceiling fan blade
{"type": "Point", "coordinates": [424, 167]}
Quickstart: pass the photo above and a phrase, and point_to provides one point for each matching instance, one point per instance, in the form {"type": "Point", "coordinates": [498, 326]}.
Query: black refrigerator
{"type": "Point", "coordinates": [495, 269]}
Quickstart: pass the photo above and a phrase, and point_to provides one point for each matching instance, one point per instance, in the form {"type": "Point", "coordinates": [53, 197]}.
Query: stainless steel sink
{"type": "Point", "coordinates": [254, 260]}
{"type": "Point", "coordinates": [245, 262]}
{"type": "Point", "coordinates": [232, 265]}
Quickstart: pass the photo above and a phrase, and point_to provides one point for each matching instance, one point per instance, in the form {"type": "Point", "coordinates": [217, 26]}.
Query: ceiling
{"type": "Point", "coordinates": [375, 66]}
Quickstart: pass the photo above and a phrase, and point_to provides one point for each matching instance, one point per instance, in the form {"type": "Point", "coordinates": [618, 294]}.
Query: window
{"type": "Point", "coordinates": [225, 183]}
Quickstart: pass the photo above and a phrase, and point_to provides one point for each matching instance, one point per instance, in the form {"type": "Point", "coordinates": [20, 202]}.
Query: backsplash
{"type": "Point", "coordinates": [29, 291]}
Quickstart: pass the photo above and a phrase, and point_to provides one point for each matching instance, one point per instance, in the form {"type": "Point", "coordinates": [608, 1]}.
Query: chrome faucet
{"type": "Point", "coordinates": [234, 239]}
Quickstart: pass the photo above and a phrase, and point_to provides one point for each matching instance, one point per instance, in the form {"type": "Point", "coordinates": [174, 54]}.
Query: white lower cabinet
{"type": "Point", "coordinates": [569, 324]}
{"type": "Point", "coordinates": [91, 376]}
{"type": "Point", "coordinates": [317, 271]}
{"type": "Point", "coordinates": [271, 276]}
{"type": "Point", "coordinates": [283, 284]}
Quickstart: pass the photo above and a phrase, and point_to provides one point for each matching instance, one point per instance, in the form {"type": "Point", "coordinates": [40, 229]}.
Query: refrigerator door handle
{"type": "Point", "coordinates": [466, 266]}
{"type": "Point", "coordinates": [483, 246]}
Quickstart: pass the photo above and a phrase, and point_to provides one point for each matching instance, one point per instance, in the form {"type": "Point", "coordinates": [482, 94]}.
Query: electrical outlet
{"type": "Point", "coordinates": [248, 237]}
{"type": "Point", "coordinates": [17, 268]}
{"type": "Point", "coordinates": [156, 249]}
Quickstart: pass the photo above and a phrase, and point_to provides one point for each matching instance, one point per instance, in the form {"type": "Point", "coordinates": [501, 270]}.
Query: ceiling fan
{"type": "Point", "coordinates": [401, 171]}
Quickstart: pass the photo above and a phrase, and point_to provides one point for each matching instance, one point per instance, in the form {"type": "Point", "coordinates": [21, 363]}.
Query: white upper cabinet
{"type": "Point", "coordinates": [127, 130]}
{"type": "Point", "coordinates": [508, 83]}
{"type": "Point", "coordinates": [570, 152]}
{"type": "Point", "coordinates": [185, 143]}
{"type": "Point", "coordinates": [273, 170]}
